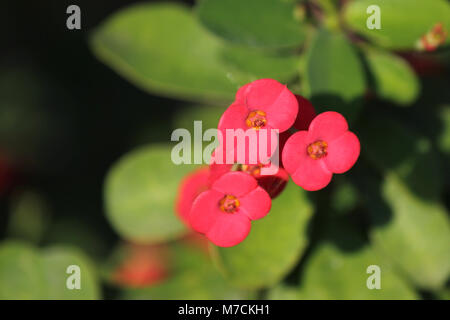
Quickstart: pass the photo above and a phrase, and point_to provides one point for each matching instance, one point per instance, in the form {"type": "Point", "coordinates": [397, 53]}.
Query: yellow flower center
{"type": "Point", "coordinates": [229, 204]}
{"type": "Point", "coordinates": [256, 119]}
{"type": "Point", "coordinates": [317, 150]}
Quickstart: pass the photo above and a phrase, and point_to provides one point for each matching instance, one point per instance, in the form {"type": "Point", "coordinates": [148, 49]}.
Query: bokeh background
{"type": "Point", "coordinates": [85, 123]}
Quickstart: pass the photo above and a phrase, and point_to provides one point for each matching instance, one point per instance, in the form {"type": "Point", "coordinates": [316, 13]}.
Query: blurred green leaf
{"type": "Point", "coordinates": [394, 79]}
{"type": "Point", "coordinates": [209, 115]}
{"type": "Point", "coordinates": [336, 267]}
{"type": "Point", "coordinates": [55, 261]}
{"type": "Point", "coordinates": [258, 23]}
{"type": "Point", "coordinates": [413, 233]}
{"type": "Point", "coordinates": [163, 49]}
{"type": "Point", "coordinates": [403, 22]}
{"type": "Point", "coordinates": [140, 193]}
{"type": "Point", "coordinates": [444, 294]}
{"type": "Point", "coordinates": [334, 74]}
{"type": "Point", "coordinates": [26, 273]}
{"type": "Point", "coordinates": [335, 273]}
{"type": "Point", "coordinates": [259, 64]}
{"type": "Point", "coordinates": [21, 272]}
{"type": "Point", "coordinates": [193, 277]}
{"type": "Point", "coordinates": [329, 13]}
{"type": "Point", "coordinates": [283, 292]}
{"type": "Point", "coordinates": [274, 245]}
{"type": "Point", "coordinates": [29, 215]}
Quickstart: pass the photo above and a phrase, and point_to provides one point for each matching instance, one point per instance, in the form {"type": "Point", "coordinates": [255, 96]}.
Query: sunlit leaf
{"type": "Point", "coordinates": [337, 269]}
{"type": "Point", "coordinates": [140, 195]}
{"type": "Point", "coordinates": [393, 78]}
{"type": "Point", "coordinates": [414, 233]}
{"type": "Point", "coordinates": [163, 49]}
{"type": "Point", "coordinates": [258, 23]}
{"type": "Point", "coordinates": [403, 22]}
{"type": "Point", "coordinates": [334, 74]}
{"type": "Point", "coordinates": [260, 64]}
{"type": "Point", "coordinates": [55, 261]}
{"type": "Point", "coordinates": [21, 272]}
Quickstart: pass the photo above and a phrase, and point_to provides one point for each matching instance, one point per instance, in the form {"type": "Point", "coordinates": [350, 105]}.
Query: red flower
{"type": "Point", "coordinates": [311, 157]}
{"type": "Point", "coordinates": [224, 212]}
{"type": "Point", "coordinates": [261, 104]}
{"type": "Point", "coordinates": [434, 38]}
{"type": "Point", "coordinates": [190, 187]}
{"type": "Point", "coordinates": [143, 266]}
{"type": "Point", "coordinates": [277, 105]}
{"type": "Point", "coordinates": [306, 113]}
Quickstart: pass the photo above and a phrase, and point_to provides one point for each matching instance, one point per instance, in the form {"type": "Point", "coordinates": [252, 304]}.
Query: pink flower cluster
{"type": "Point", "coordinates": [222, 200]}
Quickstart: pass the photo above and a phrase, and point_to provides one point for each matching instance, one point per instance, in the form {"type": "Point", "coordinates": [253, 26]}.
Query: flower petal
{"type": "Point", "coordinates": [205, 210]}
{"type": "Point", "coordinates": [294, 151]}
{"type": "Point", "coordinates": [312, 175]}
{"type": "Point", "coordinates": [242, 93]}
{"type": "Point", "coordinates": [275, 99]}
{"type": "Point", "coordinates": [190, 187]}
{"type": "Point", "coordinates": [235, 183]}
{"type": "Point", "coordinates": [256, 204]}
{"type": "Point", "coordinates": [229, 229]}
{"type": "Point", "coordinates": [342, 152]}
{"type": "Point", "coordinates": [234, 117]}
{"type": "Point", "coordinates": [217, 170]}
{"type": "Point", "coordinates": [327, 126]}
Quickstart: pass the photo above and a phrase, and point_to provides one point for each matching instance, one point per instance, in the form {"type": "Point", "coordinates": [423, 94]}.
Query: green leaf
{"type": "Point", "coordinates": [283, 292]}
{"type": "Point", "coordinates": [209, 115]}
{"type": "Point", "coordinates": [258, 23]}
{"type": "Point", "coordinates": [140, 195]}
{"type": "Point", "coordinates": [163, 49]}
{"type": "Point", "coordinates": [413, 233]}
{"type": "Point", "coordinates": [444, 294]}
{"type": "Point", "coordinates": [337, 269]}
{"type": "Point", "coordinates": [403, 22]}
{"type": "Point", "coordinates": [334, 74]}
{"type": "Point", "coordinates": [394, 79]}
{"type": "Point", "coordinates": [29, 274]}
{"type": "Point", "coordinates": [274, 245]}
{"type": "Point", "coordinates": [260, 64]}
{"type": "Point", "coordinates": [55, 261]}
{"type": "Point", "coordinates": [21, 272]}
{"type": "Point", "coordinates": [192, 277]}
